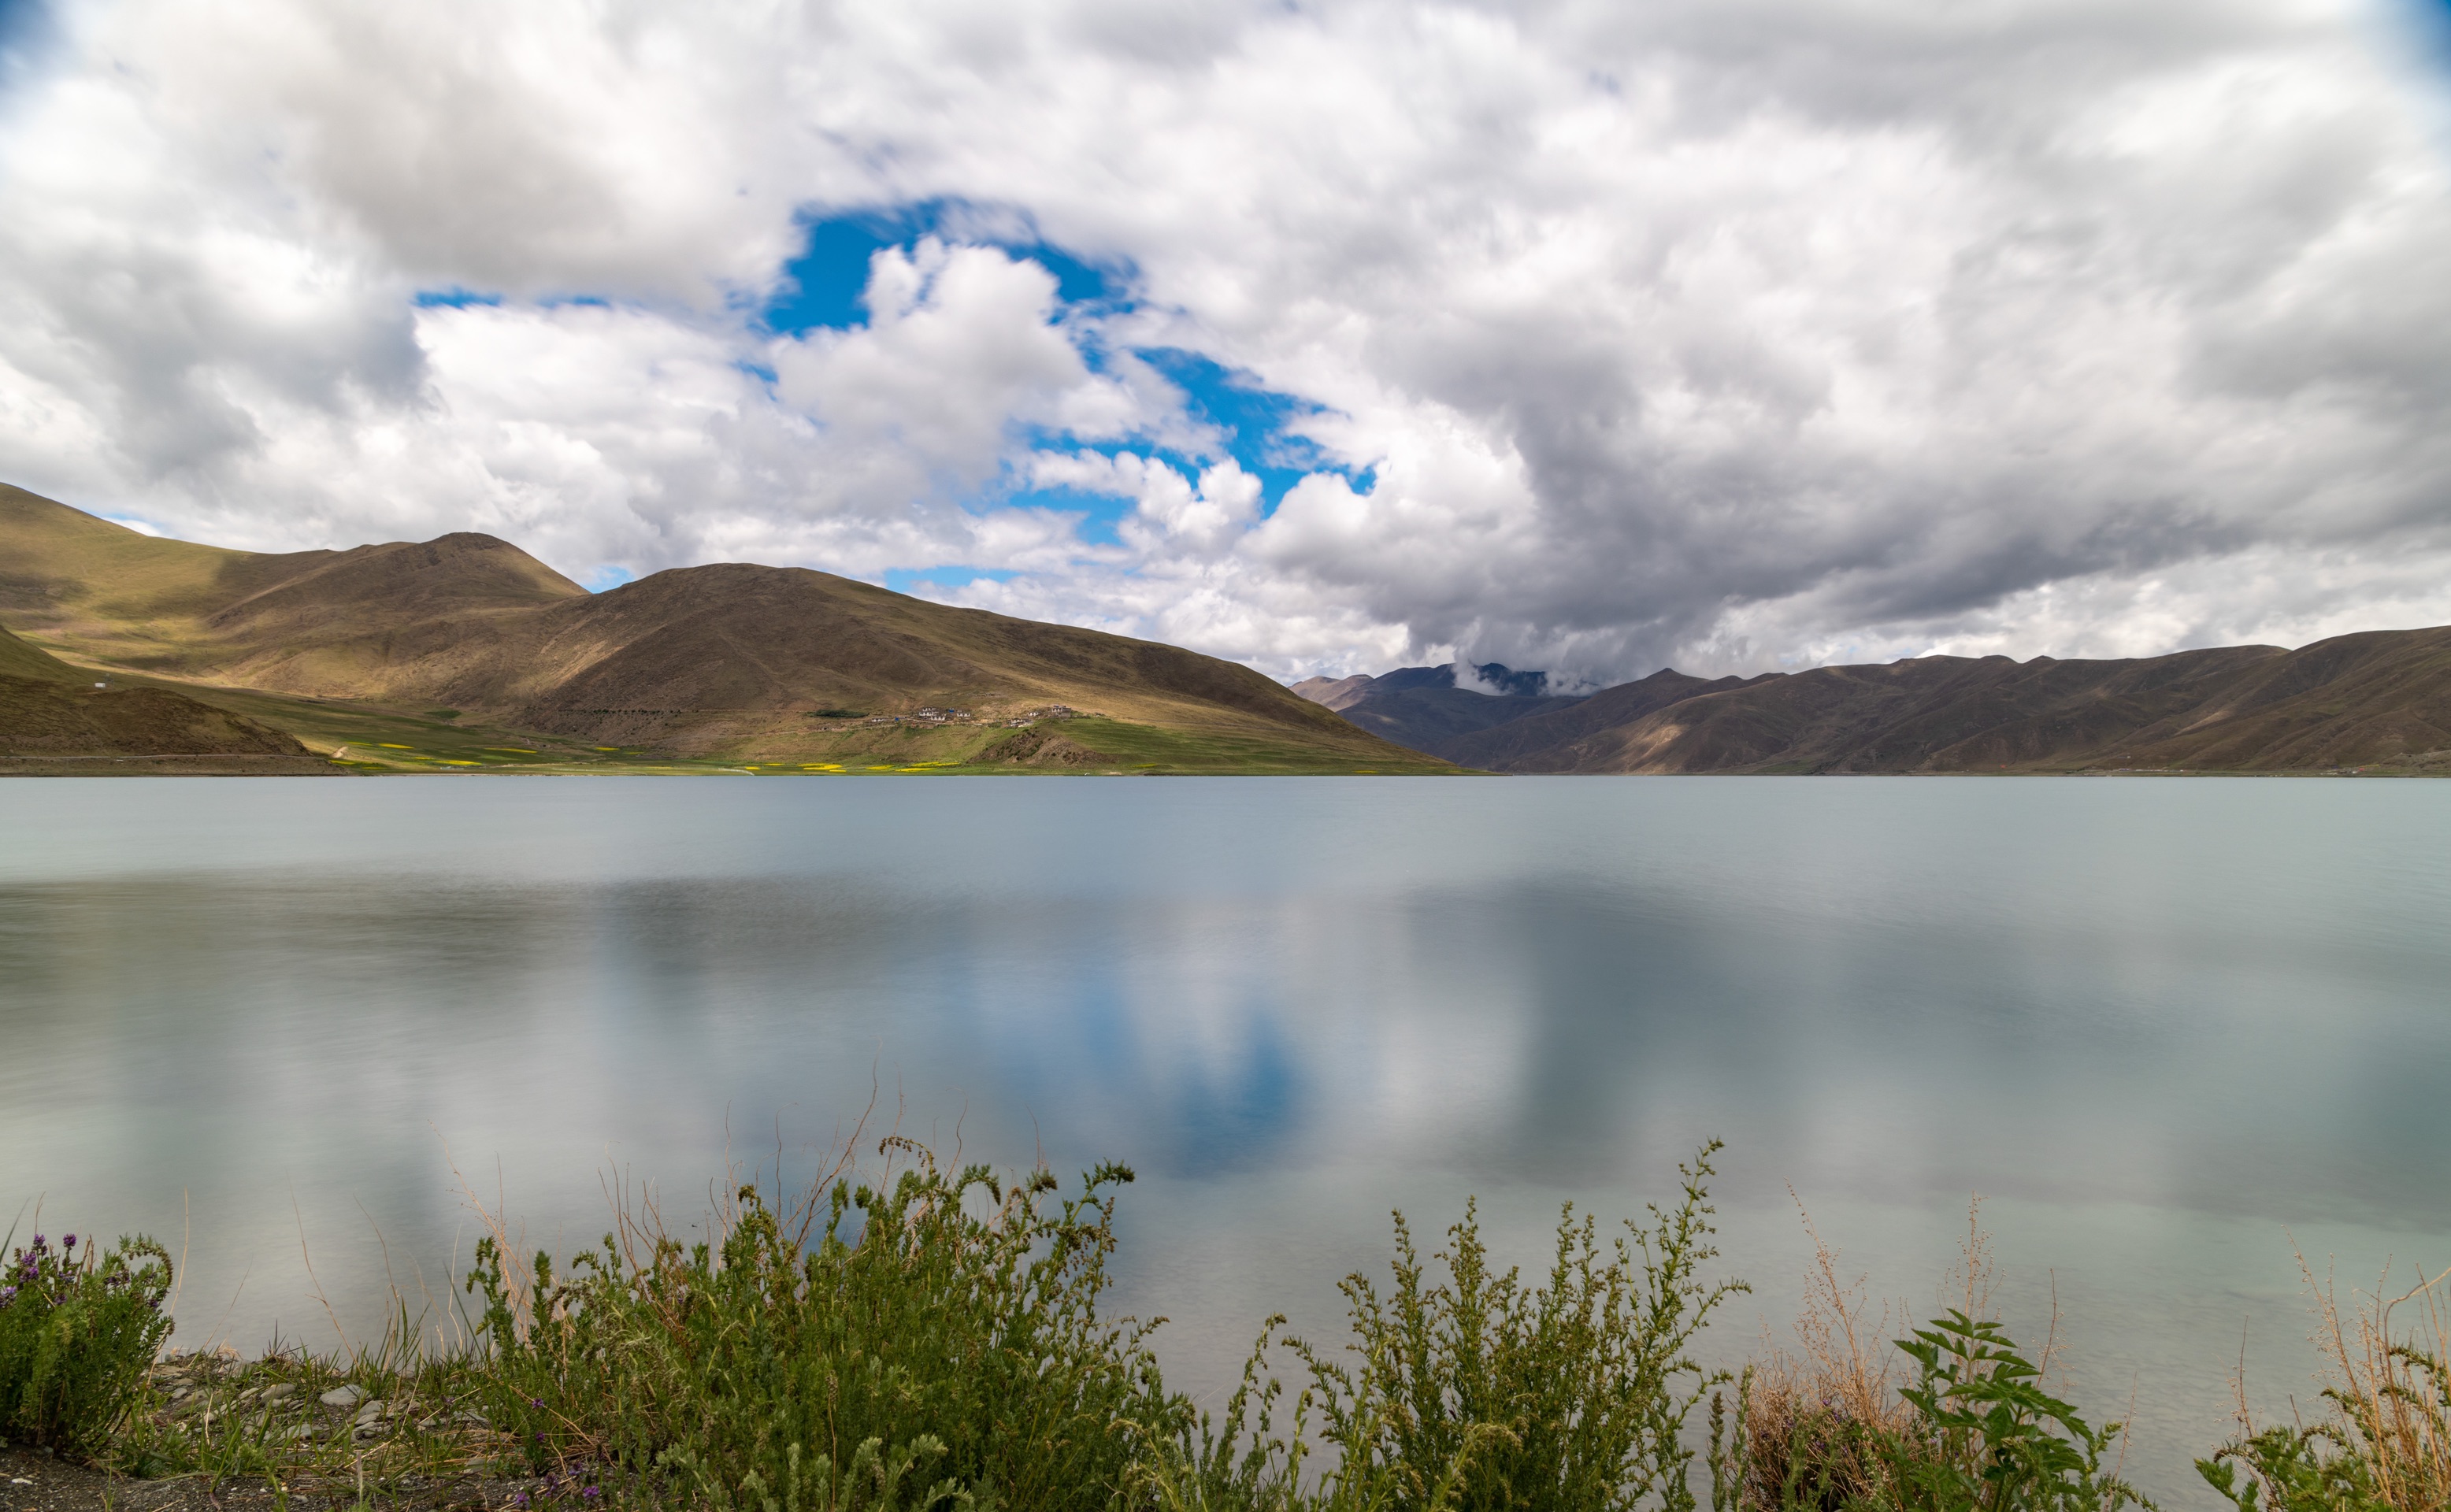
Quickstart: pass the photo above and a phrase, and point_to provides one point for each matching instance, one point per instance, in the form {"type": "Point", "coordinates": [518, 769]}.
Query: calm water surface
{"type": "Point", "coordinates": [2165, 1028]}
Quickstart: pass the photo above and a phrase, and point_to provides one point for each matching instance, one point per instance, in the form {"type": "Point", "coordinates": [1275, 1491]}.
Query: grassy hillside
{"type": "Point", "coordinates": [19, 660]}
{"type": "Point", "coordinates": [468, 646]}
{"type": "Point", "coordinates": [53, 719]}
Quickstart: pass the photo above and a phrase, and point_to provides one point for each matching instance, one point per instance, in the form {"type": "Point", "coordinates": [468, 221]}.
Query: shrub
{"type": "Point", "coordinates": [936, 1342]}
{"type": "Point", "coordinates": [77, 1335]}
{"type": "Point", "coordinates": [1481, 1392]}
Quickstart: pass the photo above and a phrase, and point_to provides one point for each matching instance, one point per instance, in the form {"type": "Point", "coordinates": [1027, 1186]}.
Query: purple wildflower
{"type": "Point", "coordinates": [68, 1243]}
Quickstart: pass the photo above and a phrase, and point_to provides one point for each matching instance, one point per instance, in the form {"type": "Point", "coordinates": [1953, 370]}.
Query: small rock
{"type": "Point", "coordinates": [277, 1393]}
{"type": "Point", "coordinates": [341, 1397]}
{"type": "Point", "coordinates": [371, 1412]}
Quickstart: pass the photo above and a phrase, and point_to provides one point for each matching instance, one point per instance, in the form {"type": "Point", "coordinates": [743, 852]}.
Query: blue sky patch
{"type": "Point", "coordinates": [901, 580]}
{"type": "Point", "coordinates": [2438, 15]}
{"type": "Point", "coordinates": [27, 30]}
{"type": "Point", "coordinates": [1100, 514]}
{"type": "Point", "coordinates": [822, 286]}
{"type": "Point", "coordinates": [607, 577]}
{"type": "Point", "coordinates": [1253, 418]}
{"type": "Point", "coordinates": [452, 298]}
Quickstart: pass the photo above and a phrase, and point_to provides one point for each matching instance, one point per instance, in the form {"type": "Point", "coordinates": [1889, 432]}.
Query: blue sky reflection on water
{"type": "Point", "coordinates": [2163, 1027]}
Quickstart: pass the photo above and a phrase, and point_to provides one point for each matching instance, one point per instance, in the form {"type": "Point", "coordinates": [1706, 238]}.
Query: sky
{"type": "Point", "coordinates": [1732, 335]}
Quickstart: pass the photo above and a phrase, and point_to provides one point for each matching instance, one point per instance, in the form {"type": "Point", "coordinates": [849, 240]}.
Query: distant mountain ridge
{"type": "Point", "coordinates": [1424, 709]}
{"type": "Point", "coordinates": [724, 661]}
{"type": "Point", "coordinates": [2376, 698]}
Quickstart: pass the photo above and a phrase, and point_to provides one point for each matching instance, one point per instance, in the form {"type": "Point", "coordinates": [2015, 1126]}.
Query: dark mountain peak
{"type": "Point", "coordinates": [1404, 679]}
{"type": "Point", "coordinates": [1423, 708]}
{"type": "Point", "coordinates": [1510, 683]}
{"type": "Point", "coordinates": [1497, 679]}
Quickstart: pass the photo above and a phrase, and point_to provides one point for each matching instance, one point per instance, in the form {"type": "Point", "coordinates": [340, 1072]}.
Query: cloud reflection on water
{"type": "Point", "coordinates": [2158, 1021]}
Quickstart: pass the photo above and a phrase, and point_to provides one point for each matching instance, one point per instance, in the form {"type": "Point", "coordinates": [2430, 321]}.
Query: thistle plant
{"type": "Point", "coordinates": [77, 1331]}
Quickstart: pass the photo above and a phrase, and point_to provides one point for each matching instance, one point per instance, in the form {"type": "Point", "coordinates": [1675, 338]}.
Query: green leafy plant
{"type": "Point", "coordinates": [932, 1341]}
{"type": "Point", "coordinates": [2295, 1469]}
{"type": "Point", "coordinates": [76, 1334]}
{"type": "Point", "coordinates": [1993, 1440]}
{"type": "Point", "coordinates": [1482, 1391]}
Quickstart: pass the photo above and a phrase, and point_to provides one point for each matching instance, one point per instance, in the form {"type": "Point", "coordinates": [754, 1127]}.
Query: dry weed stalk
{"type": "Point", "coordinates": [639, 1232]}
{"type": "Point", "coordinates": [2393, 1387]}
{"type": "Point", "coordinates": [1822, 1424]}
{"type": "Point", "coordinates": [1808, 1415]}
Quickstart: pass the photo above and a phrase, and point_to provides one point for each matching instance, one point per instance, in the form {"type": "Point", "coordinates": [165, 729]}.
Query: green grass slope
{"type": "Point", "coordinates": [54, 717]}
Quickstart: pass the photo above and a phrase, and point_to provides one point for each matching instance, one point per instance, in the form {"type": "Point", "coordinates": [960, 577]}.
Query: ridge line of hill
{"type": "Point", "coordinates": [468, 639]}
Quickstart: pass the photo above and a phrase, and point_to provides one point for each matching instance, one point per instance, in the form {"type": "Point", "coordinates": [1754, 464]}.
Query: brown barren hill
{"type": "Point", "coordinates": [727, 662]}
{"type": "Point", "coordinates": [1553, 741]}
{"type": "Point", "coordinates": [695, 656]}
{"type": "Point", "coordinates": [2380, 699]}
{"type": "Point", "coordinates": [325, 623]}
{"type": "Point", "coordinates": [1335, 692]}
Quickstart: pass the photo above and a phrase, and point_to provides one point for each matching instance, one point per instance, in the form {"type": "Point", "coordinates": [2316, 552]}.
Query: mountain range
{"type": "Point", "coordinates": [2377, 700]}
{"type": "Point", "coordinates": [466, 650]}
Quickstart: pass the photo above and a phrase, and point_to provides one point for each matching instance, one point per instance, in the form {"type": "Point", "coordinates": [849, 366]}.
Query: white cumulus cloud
{"type": "Point", "coordinates": [1723, 333]}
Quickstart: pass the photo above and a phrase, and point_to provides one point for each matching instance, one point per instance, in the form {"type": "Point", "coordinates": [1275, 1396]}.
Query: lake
{"type": "Point", "coordinates": [2167, 1028]}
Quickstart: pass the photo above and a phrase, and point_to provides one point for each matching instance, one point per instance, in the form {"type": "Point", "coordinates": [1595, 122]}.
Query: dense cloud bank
{"type": "Point", "coordinates": [1729, 333]}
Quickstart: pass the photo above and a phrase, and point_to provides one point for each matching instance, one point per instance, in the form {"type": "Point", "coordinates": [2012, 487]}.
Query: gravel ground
{"type": "Point", "coordinates": [35, 1483]}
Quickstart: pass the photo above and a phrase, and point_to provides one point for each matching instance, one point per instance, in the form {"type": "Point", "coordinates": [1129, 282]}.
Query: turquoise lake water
{"type": "Point", "coordinates": [2169, 1029]}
